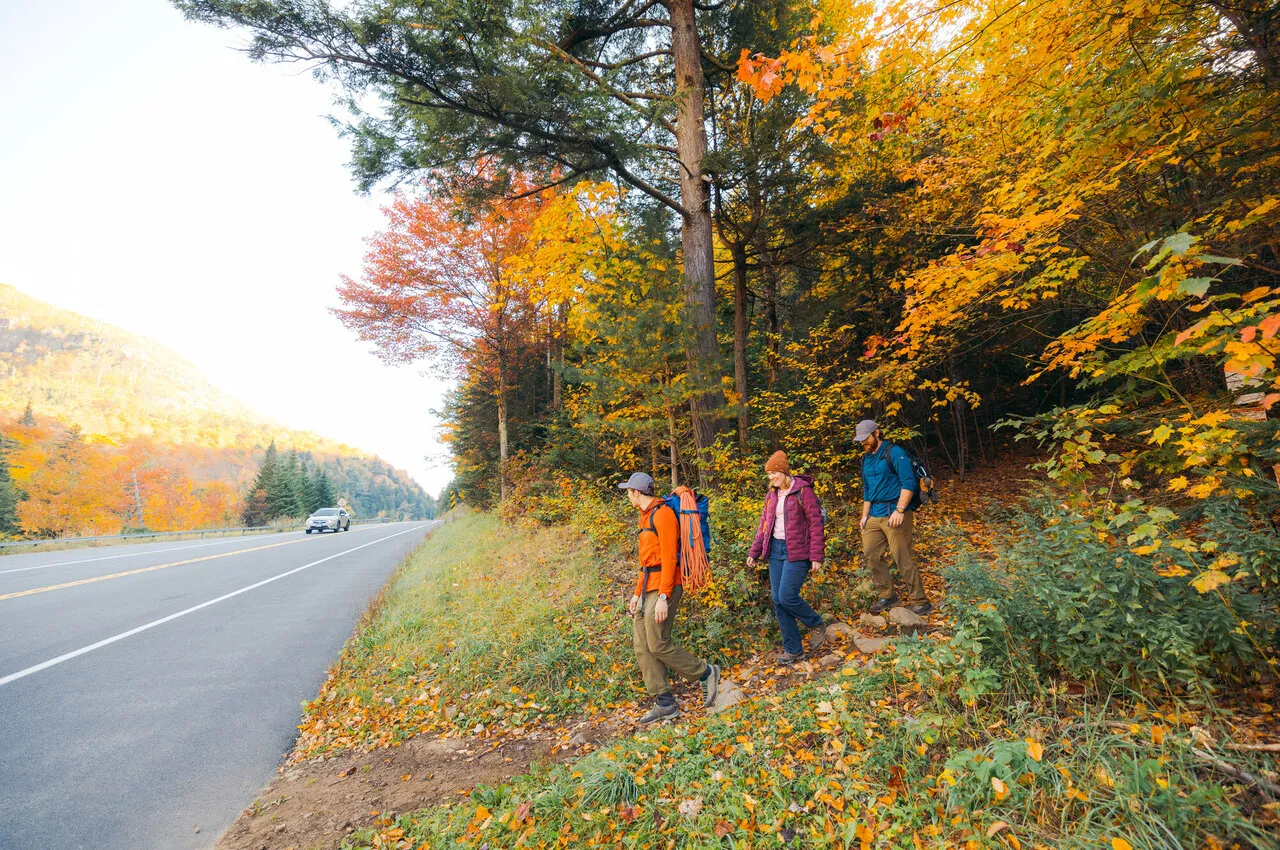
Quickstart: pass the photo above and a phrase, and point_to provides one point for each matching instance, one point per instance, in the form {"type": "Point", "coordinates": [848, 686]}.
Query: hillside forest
{"type": "Point", "coordinates": [103, 432]}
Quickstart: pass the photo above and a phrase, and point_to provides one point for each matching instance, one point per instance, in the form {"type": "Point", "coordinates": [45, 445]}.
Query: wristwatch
{"type": "Point", "coordinates": [662, 597]}
{"type": "Point", "coordinates": [899, 511]}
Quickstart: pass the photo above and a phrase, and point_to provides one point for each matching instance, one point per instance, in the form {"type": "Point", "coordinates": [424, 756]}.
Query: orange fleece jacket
{"type": "Point", "coordinates": [659, 550]}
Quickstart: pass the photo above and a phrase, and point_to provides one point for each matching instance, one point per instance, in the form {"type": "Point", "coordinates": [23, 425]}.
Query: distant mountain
{"type": "Point", "coordinates": [123, 388]}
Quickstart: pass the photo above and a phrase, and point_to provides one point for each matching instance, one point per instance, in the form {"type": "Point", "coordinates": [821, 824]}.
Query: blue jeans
{"type": "Point", "coordinates": [785, 580]}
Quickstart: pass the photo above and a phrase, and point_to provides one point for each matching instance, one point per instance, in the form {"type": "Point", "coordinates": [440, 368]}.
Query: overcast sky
{"type": "Point", "coordinates": [154, 178]}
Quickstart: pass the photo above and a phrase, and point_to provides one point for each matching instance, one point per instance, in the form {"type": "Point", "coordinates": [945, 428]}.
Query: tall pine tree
{"type": "Point", "coordinates": [9, 494]}
{"type": "Point", "coordinates": [322, 487]}
{"type": "Point", "coordinates": [286, 496]}
{"type": "Point", "coordinates": [257, 508]}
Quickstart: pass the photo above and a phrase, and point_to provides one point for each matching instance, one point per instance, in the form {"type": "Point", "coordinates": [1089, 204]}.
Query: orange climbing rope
{"type": "Point", "coordinates": [693, 551]}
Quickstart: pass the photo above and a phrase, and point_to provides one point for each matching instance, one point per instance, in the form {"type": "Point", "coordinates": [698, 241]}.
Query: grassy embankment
{"type": "Point", "coordinates": [491, 632]}
{"type": "Point", "coordinates": [988, 733]}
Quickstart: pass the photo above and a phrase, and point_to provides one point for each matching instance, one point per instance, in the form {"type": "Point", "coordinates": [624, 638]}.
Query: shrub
{"type": "Point", "coordinates": [1079, 602]}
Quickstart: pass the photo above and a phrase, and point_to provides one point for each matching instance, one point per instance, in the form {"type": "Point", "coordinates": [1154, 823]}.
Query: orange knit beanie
{"type": "Point", "coordinates": [778, 463]}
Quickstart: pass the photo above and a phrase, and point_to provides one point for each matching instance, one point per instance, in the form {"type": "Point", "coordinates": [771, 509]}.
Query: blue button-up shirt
{"type": "Point", "coordinates": [881, 486]}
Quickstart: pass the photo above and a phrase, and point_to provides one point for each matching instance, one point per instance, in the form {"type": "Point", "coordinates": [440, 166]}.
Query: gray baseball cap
{"type": "Point", "coordinates": [638, 481]}
{"type": "Point", "coordinates": [866, 428]}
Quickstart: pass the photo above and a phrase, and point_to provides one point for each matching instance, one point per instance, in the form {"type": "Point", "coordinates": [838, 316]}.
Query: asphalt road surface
{"type": "Point", "coordinates": [148, 691]}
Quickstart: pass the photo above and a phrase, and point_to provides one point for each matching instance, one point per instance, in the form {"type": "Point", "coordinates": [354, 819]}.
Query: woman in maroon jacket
{"type": "Point", "coordinates": [791, 531]}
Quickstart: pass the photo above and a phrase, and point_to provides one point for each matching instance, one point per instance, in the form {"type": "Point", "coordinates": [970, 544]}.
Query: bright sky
{"type": "Point", "coordinates": [154, 178]}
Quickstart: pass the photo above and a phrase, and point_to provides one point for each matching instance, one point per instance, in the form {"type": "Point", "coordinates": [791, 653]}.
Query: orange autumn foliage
{"type": "Point", "coordinates": [82, 486]}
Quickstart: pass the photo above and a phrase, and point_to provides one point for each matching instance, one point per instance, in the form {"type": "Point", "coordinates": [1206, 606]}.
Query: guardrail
{"type": "Point", "coordinates": [143, 535]}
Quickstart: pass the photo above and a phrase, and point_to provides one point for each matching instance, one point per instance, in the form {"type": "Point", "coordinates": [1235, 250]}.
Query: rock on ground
{"type": "Point", "coordinates": [906, 617]}
{"type": "Point", "coordinates": [870, 645]}
{"type": "Point", "coordinates": [872, 621]}
{"type": "Point", "coordinates": [838, 629]}
{"type": "Point", "coordinates": [729, 694]}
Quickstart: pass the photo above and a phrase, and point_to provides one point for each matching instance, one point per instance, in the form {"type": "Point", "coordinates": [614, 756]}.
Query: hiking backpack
{"type": "Point", "coordinates": [693, 513]}
{"type": "Point", "coordinates": [926, 491]}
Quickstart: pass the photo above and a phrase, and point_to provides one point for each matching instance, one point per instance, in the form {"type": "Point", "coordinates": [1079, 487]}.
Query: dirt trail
{"type": "Point", "coordinates": [314, 805]}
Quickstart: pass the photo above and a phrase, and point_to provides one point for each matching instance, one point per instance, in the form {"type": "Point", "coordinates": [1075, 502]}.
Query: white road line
{"type": "Point", "coordinates": [44, 665]}
{"type": "Point", "coordinates": [148, 552]}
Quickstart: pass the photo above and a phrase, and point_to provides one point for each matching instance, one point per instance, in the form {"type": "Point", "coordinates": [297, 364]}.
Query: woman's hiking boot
{"type": "Point", "coordinates": [883, 605]}
{"type": "Point", "coordinates": [710, 685]}
{"type": "Point", "coordinates": [786, 659]}
{"type": "Point", "coordinates": [664, 708]}
{"type": "Point", "coordinates": [817, 637]}
{"type": "Point", "coordinates": [923, 609]}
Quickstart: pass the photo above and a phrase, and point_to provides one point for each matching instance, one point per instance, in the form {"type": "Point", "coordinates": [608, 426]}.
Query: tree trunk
{"type": "Point", "coordinates": [675, 453]}
{"type": "Point", "coordinates": [772, 330]}
{"type": "Point", "coordinates": [502, 430]}
{"type": "Point", "coordinates": [769, 274]}
{"type": "Point", "coordinates": [557, 376]}
{"type": "Point", "coordinates": [702, 350]}
{"type": "Point", "coordinates": [739, 252]}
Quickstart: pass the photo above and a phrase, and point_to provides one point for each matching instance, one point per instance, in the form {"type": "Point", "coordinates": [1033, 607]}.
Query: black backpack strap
{"type": "Point", "coordinates": [653, 525]}
{"type": "Point", "coordinates": [888, 461]}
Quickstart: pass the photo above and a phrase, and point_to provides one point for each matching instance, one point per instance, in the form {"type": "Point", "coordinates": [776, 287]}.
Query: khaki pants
{"type": "Point", "coordinates": [879, 536]}
{"type": "Point", "coordinates": [655, 651]}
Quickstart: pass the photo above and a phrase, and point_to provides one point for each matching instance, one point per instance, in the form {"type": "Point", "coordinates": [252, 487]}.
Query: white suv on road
{"type": "Point", "coordinates": [331, 519]}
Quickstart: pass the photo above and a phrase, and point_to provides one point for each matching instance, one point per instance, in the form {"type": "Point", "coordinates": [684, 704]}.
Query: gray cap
{"type": "Point", "coordinates": [638, 481]}
{"type": "Point", "coordinates": [866, 428]}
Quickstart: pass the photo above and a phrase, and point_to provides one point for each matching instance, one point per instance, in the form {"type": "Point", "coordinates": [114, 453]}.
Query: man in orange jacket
{"type": "Point", "coordinates": [655, 602]}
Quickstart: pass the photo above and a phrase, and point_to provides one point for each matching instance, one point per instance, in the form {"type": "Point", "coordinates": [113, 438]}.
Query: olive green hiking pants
{"type": "Point", "coordinates": [879, 538]}
{"type": "Point", "coordinates": [656, 653]}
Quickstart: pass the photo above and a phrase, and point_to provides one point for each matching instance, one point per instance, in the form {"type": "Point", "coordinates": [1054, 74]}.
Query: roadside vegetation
{"type": "Point", "coordinates": [490, 632]}
{"type": "Point", "coordinates": [1053, 707]}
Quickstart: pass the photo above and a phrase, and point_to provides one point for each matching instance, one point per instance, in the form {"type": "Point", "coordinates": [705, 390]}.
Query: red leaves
{"type": "Point", "coordinates": [436, 284]}
{"type": "Point", "coordinates": [887, 123]}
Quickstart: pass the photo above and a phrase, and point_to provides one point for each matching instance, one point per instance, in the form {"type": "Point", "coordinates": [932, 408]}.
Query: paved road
{"type": "Point", "coordinates": [149, 691]}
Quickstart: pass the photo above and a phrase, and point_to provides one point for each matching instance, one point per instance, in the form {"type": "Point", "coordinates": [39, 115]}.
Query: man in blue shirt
{"type": "Point", "coordinates": [888, 488]}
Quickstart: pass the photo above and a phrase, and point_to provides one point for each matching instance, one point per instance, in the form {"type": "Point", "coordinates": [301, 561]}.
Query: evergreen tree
{"type": "Point", "coordinates": [28, 417]}
{"type": "Point", "coordinates": [9, 494]}
{"type": "Point", "coordinates": [322, 487]}
{"type": "Point", "coordinates": [285, 496]}
{"type": "Point", "coordinates": [267, 471]}
{"type": "Point", "coordinates": [306, 489]}
{"type": "Point", "coordinates": [256, 511]}
{"type": "Point", "coordinates": [257, 508]}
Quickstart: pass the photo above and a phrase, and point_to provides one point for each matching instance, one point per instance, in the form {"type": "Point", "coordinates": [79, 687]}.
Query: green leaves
{"type": "Point", "coordinates": [1177, 245]}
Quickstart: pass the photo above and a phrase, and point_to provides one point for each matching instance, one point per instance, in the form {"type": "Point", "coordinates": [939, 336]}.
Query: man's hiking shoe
{"type": "Point", "coordinates": [710, 685]}
{"type": "Point", "coordinates": [883, 605]}
{"type": "Point", "coordinates": [817, 637]}
{"type": "Point", "coordinates": [923, 609]}
{"type": "Point", "coordinates": [786, 659]}
{"type": "Point", "coordinates": [661, 711]}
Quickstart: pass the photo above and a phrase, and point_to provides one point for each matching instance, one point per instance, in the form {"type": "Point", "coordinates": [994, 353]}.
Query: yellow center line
{"type": "Point", "coordinates": [146, 569]}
